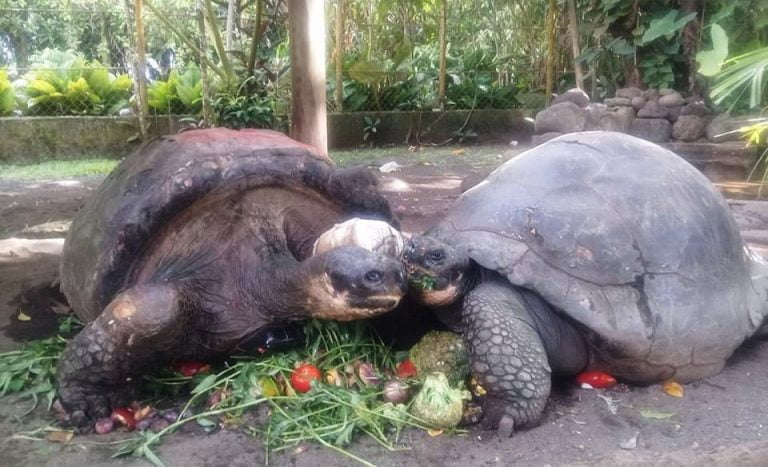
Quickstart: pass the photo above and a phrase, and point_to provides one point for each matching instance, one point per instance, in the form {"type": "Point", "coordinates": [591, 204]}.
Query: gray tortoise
{"type": "Point", "coordinates": [596, 250]}
{"type": "Point", "coordinates": [198, 241]}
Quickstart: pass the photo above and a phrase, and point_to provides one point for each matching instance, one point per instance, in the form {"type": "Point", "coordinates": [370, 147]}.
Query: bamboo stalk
{"type": "Point", "coordinates": [443, 49]}
{"type": "Point", "coordinates": [138, 13]}
{"type": "Point", "coordinates": [339, 96]}
{"type": "Point", "coordinates": [551, 36]}
{"type": "Point", "coordinates": [221, 51]}
{"type": "Point", "coordinates": [255, 37]}
{"type": "Point", "coordinates": [576, 49]}
{"type": "Point", "coordinates": [206, 92]}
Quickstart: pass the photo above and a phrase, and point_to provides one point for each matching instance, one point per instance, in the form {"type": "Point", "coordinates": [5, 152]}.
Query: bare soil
{"type": "Point", "coordinates": [722, 420]}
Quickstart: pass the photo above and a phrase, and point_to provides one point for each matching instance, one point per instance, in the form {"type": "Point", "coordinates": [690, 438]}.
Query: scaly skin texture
{"type": "Point", "coordinates": [507, 356]}
{"type": "Point", "coordinates": [98, 368]}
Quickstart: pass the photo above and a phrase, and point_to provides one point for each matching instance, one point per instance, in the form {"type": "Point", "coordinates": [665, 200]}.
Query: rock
{"type": "Point", "coordinates": [657, 130]}
{"type": "Point", "coordinates": [698, 108]}
{"type": "Point", "coordinates": [565, 117]}
{"type": "Point", "coordinates": [575, 95]}
{"type": "Point", "coordinates": [673, 113]}
{"type": "Point", "coordinates": [629, 93]}
{"type": "Point", "coordinates": [638, 102]}
{"type": "Point", "coordinates": [544, 137]}
{"type": "Point", "coordinates": [617, 102]}
{"type": "Point", "coordinates": [595, 112]}
{"type": "Point", "coordinates": [666, 91]}
{"type": "Point", "coordinates": [652, 109]}
{"type": "Point", "coordinates": [619, 119]}
{"type": "Point", "coordinates": [724, 128]}
{"type": "Point", "coordinates": [689, 128]}
{"type": "Point", "coordinates": [651, 94]}
{"type": "Point", "coordinates": [671, 100]}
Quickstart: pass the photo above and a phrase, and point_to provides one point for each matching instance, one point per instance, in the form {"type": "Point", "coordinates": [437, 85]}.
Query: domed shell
{"type": "Point", "coordinates": [627, 239]}
{"type": "Point", "coordinates": [169, 174]}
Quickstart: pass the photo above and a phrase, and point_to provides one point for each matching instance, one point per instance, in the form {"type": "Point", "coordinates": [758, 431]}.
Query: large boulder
{"type": "Point", "coordinates": [618, 119]}
{"type": "Point", "coordinates": [652, 109]}
{"type": "Point", "coordinates": [595, 112]}
{"type": "Point", "coordinates": [671, 99]}
{"type": "Point", "coordinates": [698, 108]}
{"type": "Point", "coordinates": [629, 93]}
{"type": "Point", "coordinates": [565, 117]}
{"type": "Point", "coordinates": [724, 128]}
{"type": "Point", "coordinates": [617, 102]}
{"type": "Point", "coordinates": [657, 130]}
{"type": "Point", "coordinates": [638, 102]}
{"type": "Point", "coordinates": [689, 128]}
{"type": "Point", "coordinates": [575, 95]}
{"type": "Point", "coordinates": [651, 94]}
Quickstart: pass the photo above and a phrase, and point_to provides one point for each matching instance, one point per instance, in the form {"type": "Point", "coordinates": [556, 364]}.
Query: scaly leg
{"type": "Point", "coordinates": [97, 369]}
{"type": "Point", "coordinates": [507, 355]}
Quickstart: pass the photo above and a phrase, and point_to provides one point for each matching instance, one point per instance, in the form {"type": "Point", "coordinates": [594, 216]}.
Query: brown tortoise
{"type": "Point", "coordinates": [199, 240]}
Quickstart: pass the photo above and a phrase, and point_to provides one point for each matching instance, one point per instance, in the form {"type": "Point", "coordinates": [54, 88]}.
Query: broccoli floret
{"type": "Point", "coordinates": [437, 404]}
{"type": "Point", "coordinates": [444, 352]}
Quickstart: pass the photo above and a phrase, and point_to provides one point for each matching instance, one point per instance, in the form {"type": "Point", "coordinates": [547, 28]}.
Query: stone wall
{"type": "Point", "coordinates": [30, 139]}
{"type": "Point", "coordinates": [652, 114]}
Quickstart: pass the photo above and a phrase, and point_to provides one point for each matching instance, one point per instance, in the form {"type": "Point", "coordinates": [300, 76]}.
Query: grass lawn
{"type": "Point", "coordinates": [55, 170]}
{"type": "Point", "coordinates": [441, 156]}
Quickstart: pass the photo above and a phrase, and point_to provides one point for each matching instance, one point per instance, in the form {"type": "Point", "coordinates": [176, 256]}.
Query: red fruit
{"type": "Point", "coordinates": [302, 377]}
{"type": "Point", "coordinates": [596, 379]}
{"type": "Point", "coordinates": [191, 368]}
{"type": "Point", "coordinates": [406, 369]}
{"type": "Point", "coordinates": [124, 416]}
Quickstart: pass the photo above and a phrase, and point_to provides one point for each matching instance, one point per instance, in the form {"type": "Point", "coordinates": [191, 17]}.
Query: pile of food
{"type": "Point", "coordinates": [345, 382]}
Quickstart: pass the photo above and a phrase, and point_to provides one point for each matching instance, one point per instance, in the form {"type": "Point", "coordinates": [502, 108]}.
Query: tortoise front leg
{"type": "Point", "coordinates": [507, 355]}
{"type": "Point", "coordinates": [98, 368]}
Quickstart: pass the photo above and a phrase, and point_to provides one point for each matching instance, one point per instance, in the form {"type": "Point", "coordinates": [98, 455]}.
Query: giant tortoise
{"type": "Point", "coordinates": [199, 240]}
{"type": "Point", "coordinates": [595, 250]}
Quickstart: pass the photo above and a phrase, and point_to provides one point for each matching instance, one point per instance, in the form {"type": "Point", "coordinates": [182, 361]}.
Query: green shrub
{"type": "Point", "coordinates": [179, 94]}
{"type": "Point", "coordinates": [7, 96]}
{"type": "Point", "coordinates": [66, 84]}
{"type": "Point", "coordinates": [247, 107]}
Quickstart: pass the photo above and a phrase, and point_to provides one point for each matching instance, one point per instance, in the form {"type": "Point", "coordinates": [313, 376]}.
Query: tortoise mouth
{"type": "Point", "coordinates": [363, 307]}
{"type": "Point", "coordinates": [424, 280]}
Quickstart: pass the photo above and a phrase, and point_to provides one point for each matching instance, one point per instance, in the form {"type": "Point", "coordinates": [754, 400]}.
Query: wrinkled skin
{"type": "Point", "coordinates": [196, 243]}
{"type": "Point", "coordinates": [595, 250]}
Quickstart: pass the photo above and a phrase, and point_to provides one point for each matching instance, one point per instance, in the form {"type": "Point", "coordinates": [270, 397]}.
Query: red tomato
{"type": "Point", "coordinates": [302, 377]}
{"type": "Point", "coordinates": [596, 379]}
{"type": "Point", "coordinates": [406, 369]}
{"type": "Point", "coordinates": [124, 416]}
{"type": "Point", "coordinates": [191, 368]}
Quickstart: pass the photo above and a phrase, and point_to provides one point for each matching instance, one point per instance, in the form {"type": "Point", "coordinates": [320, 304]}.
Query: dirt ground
{"type": "Point", "coordinates": [722, 420]}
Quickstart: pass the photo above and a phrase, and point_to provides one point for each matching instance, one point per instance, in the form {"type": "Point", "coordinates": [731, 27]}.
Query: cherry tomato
{"type": "Point", "coordinates": [124, 416]}
{"type": "Point", "coordinates": [191, 368]}
{"type": "Point", "coordinates": [406, 369]}
{"type": "Point", "coordinates": [302, 377]}
{"type": "Point", "coordinates": [596, 379]}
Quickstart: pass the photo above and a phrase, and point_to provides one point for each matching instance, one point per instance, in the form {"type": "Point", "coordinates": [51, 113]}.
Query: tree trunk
{"type": "Point", "coordinates": [255, 37]}
{"type": "Point", "coordinates": [443, 47]}
{"type": "Point", "coordinates": [339, 96]}
{"type": "Point", "coordinates": [205, 83]}
{"type": "Point", "coordinates": [306, 26]}
{"type": "Point", "coordinates": [576, 49]}
{"type": "Point", "coordinates": [229, 36]}
{"type": "Point", "coordinates": [140, 65]}
{"type": "Point", "coordinates": [551, 39]}
{"type": "Point", "coordinates": [691, 39]}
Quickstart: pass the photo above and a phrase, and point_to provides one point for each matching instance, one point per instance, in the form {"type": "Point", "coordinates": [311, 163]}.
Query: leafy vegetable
{"type": "Point", "coordinates": [438, 404]}
{"type": "Point", "coordinates": [444, 352]}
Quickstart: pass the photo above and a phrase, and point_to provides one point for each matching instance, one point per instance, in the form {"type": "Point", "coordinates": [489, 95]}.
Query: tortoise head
{"type": "Point", "coordinates": [356, 283]}
{"type": "Point", "coordinates": [437, 272]}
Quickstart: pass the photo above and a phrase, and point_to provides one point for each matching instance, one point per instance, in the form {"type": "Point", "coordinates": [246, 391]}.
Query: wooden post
{"type": "Point", "coordinates": [443, 47]}
{"type": "Point", "coordinates": [574, 30]}
{"type": "Point", "coordinates": [306, 26]}
{"type": "Point", "coordinates": [339, 96]}
{"type": "Point", "coordinates": [551, 36]}
{"type": "Point", "coordinates": [206, 91]}
{"type": "Point", "coordinates": [141, 77]}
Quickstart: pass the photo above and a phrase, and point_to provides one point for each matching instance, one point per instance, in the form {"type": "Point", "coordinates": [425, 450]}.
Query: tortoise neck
{"type": "Point", "coordinates": [285, 291]}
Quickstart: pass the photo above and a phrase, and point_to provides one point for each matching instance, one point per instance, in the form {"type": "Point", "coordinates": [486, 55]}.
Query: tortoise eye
{"type": "Point", "coordinates": [436, 256]}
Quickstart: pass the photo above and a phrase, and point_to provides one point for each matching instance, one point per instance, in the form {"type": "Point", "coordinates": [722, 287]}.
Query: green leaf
{"type": "Point", "coordinates": [98, 79]}
{"type": "Point", "coordinates": [367, 72]}
{"type": "Point", "coordinates": [38, 87]}
{"type": "Point", "coordinates": [206, 422]}
{"type": "Point", "coordinates": [711, 61]}
{"type": "Point", "coordinates": [665, 25]}
{"type": "Point", "coordinates": [207, 383]}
